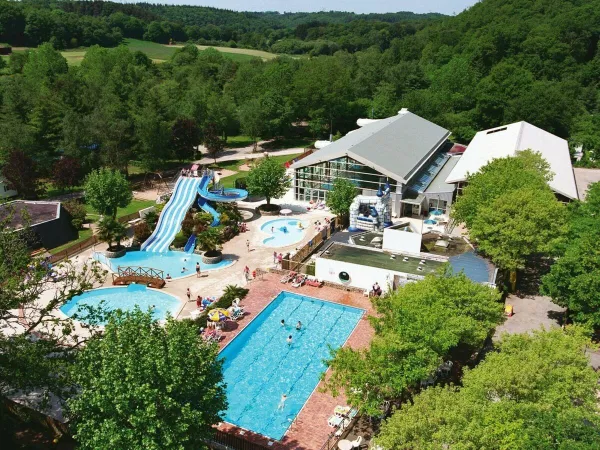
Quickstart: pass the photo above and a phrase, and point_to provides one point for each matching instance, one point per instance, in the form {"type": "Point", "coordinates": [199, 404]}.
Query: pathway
{"type": "Point", "coordinates": [233, 154]}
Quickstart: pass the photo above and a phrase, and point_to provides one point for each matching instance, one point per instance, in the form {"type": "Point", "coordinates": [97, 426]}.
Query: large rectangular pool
{"type": "Point", "coordinates": [260, 366]}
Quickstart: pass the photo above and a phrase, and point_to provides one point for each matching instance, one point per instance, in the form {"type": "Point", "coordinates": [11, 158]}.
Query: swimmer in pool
{"type": "Point", "coordinates": [282, 323]}
{"type": "Point", "coordinates": [282, 402]}
{"type": "Point", "coordinates": [289, 340]}
{"type": "Point", "coordinates": [299, 326]}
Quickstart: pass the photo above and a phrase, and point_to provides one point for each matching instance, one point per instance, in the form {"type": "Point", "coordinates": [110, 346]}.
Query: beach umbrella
{"type": "Point", "coordinates": [218, 315]}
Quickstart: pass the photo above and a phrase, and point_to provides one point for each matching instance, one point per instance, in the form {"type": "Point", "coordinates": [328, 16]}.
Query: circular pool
{"type": "Point", "coordinates": [283, 232]}
{"type": "Point", "coordinates": [124, 298]}
{"type": "Point", "coordinates": [171, 262]}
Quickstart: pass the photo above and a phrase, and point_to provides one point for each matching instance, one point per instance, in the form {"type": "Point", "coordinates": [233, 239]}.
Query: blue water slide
{"type": "Point", "coordinates": [190, 244]}
{"type": "Point", "coordinates": [169, 222]}
{"type": "Point", "coordinates": [216, 195]}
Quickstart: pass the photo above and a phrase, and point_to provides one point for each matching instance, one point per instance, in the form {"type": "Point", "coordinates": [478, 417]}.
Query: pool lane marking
{"type": "Point", "coordinates": [250, 403]}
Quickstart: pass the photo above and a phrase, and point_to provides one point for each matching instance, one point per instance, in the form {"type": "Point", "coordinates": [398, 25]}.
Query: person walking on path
{"type": "Point", "coordinates": [275, 258]}
{"type": "Point", "coordinates": [248, 245]}
{"type": "Point", "coordinates": [189, 294]}
{"type": "Point", "coordinates": [280, 260]}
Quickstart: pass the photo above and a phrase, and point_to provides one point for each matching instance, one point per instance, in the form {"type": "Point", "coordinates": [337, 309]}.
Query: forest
{"type": "Point", "coordinates": [498, 62]}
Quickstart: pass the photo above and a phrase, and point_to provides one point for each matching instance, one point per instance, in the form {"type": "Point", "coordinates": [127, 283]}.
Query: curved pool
{"type": "Point", "coordinates": [124, 298]}
{"type": "Point", "coordinates": [283, 232]}
{"type": "Point", "coordinates": [171, 262]}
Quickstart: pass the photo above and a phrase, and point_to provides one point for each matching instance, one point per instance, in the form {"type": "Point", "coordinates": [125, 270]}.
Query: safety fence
{"type": "Point", "coordinates": [295, 261]}
{"type": "Point", "coordinates": [222, 440]}
{"type": "Point", "coordinates": [74, 249]}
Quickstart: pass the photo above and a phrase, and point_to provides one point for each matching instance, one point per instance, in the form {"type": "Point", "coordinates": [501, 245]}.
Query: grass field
{"type": "Point", "coordinates": [160, 53]}
{"type": "Point", "coordinates": [229, 181]}
{"type": "Point", "coordinates": [134, 206]}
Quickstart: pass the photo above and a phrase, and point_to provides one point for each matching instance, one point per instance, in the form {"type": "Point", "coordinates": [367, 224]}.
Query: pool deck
{"type": "Point", "coordinates": [310, 429]}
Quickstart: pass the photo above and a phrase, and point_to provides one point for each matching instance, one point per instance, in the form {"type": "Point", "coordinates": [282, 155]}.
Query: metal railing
{"type": "Point", "coordinates": [224, 440]}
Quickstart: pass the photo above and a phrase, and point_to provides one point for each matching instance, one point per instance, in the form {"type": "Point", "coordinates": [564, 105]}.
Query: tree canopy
{"type": "Point", "coordinates": [573, 278]}
{"type": "Point", "coordinates": [106, 190]}
{"type": "Point", "coordinates": [268, 179]}
{"type": "Point", "coordinates": [162, 389]}
{"type": "Point", "coordinates": [417, 328]}
{"type": "Point", "coordinates": [341, 196]}
{"type": "Point", "coordinates": [536, 392]}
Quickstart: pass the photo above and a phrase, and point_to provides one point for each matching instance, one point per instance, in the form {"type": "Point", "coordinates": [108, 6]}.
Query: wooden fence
{"type": "Point", "coordinates": [294, 262]}
{"type": "Point", "coordinates": [74, 249]}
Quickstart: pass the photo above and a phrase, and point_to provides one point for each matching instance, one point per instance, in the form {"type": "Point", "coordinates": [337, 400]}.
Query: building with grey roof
{"type": "Point", "coordinates": [405, 151]}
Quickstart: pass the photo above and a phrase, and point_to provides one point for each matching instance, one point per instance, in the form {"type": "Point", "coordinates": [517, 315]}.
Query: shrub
{"type": "Point", "coordinates": [230, 293]}
{"type": "Point", "coordinates": [141, 232]}
{"type": "Point", "coordinates": [203, 218]}
{"type": "Point", "coordinates": [77, 212]}
{"type": "Point", "coordinates": [187, 226]}
{"type": "Point", "coordinates": [240, 183]}
{"type": "Point", "coordinates": [151, 219]}
{"type": "Point", "coordinates": [180, 240]}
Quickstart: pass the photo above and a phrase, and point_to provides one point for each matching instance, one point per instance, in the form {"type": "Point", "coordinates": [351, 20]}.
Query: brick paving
{"type": "Point", "coordinates": [310, 430]}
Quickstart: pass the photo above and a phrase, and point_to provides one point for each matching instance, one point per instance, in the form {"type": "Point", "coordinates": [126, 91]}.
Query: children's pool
{"type": "Point", "coordinates": [124, 298]}
{"type": "Point", "coordinates": [170, 262]}
{"type": "Point", "coordinates": [283, 232]}
{"type": "Point", "coordinates": [260, 366]}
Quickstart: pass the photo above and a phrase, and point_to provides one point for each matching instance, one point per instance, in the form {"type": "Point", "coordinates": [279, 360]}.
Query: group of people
{"type": "Point", "coordinates": [201, 303]}
{"type": "Point", "coordinates": [320, 226]}
{"type": "Point", "coordinates": [298, 328]}
{"type": "Point", "coordinates": [189, 173]}
{"type": "Point", "coordinates": [184, 270]}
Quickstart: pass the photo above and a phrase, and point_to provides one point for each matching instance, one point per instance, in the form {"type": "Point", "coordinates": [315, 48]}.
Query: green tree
{"type": "Point", "coordinates": [36, 345]}
{"type": "Point", "coordinates": [268, 179]}
{"type": "Point", "coordinates": [21, 172]}
{"type": "Point", "coordinates": [212, 141]}
{"type": "Point", "coordinates": [417, 327]}
{"type": "Point", "coordinates": [519, 224]}
{"type": "Point", "coordinates": [185, 137]}
{"type": "Point", "coordinates": [106, 190]}
{"type": "Point", "coordinates": [340, 197]}
{"type": "Point", "coordinates": [499, 176]}
{"type": "Point", "coordinates": [209, 240]}
{"type": "Point", "coordinates": [110, 230]}
{"type": "Point", "coordinates": [252, 120]}
{"type": "Point", "coordinates": [163, 388]}
{"type": "Point", "coordinates": [537, 392]}
{"type": "Point", "coordinates": [573, 279]}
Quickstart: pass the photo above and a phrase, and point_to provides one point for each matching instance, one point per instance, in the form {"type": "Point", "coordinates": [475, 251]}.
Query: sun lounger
{"type": "Point", "coordinates": [299, 281]}
{"type": "Point", "coordinates": [289, 277]}
{"type": "Point", "coordinates": [312, 281]}
{"type": "Point", "coordinates": [238, 314]}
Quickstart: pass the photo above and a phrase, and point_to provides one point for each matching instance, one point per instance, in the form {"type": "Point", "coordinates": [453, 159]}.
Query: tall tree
{"type": "Point", "coordinates": [106, 190]}
{"type": "Point", "coordinates": [417, 327]}
{"type": "Point", "coordinates": [536, 392]}
{"type": "Point", "coordinates": [185, 137]}
{"type": "Point", "coordinates": [67, 172]}
{"type": "Point", "coordinates": [340, 197]}
{"type": "Point", "coordinates": [22, 174]}
{"type": "Point", "coordinates": [252, 120]}
{"type": "Point", "coordinates": [268, 179]}
{"type": "Point", "coordinates": [163, 389]}
{"type": "Point", "coordinates": [213, 142]}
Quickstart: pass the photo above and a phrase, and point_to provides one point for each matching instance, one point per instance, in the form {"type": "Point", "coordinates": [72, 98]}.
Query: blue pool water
{"type": "Point", "coordinates": [125, 298]}
{"type": "Point", "coordinates": [259, 365]}
{"type": "Point", "coordinates": [283, 232]}
{"type": "Point", "coordinates": [170, 262]}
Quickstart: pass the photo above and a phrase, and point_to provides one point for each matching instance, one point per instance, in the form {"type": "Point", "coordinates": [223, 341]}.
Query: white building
{"type": "Point", "coordinates": [5, 191]}
{"type": "Point", "coordinates": [506, 141]}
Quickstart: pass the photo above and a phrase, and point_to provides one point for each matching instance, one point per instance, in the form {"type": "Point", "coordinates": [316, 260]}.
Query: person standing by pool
{"type": "Point", "coordinates": [280, 260]}
{"type": "Point", "coordinates": [189, 294]}
{"type": "Point", "coordinates": [197, 270]}
{"type": "Point", "coordinates": [274, 257]}
{"type": "Point", "coordinates": [282, 402]}
{"type": "Point", "coordinates": [248, 245]}
{"type": "Point", "coordinates": [199, 302]}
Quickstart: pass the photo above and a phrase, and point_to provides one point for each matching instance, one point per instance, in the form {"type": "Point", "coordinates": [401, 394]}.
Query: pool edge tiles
{"type": "Point", "coordinates": [259, 366]}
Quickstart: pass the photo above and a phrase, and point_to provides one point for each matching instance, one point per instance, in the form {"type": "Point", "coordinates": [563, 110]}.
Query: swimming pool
{"type": "Point", "coordinates": [283, 232]}
{"type": "Point", "coordinates": [259, 365]}
{"type": "Point", "coordinates": [170, 262]}
{"type": "Point", "coordinates": [125, 298]}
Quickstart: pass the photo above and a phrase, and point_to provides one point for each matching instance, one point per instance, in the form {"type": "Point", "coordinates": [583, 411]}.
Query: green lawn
{"type": "Point", "coordinates": [229, 181]}
{"type": "Point", "coordinates": [152, 49]}
{"type": "Point", "coordinates": [245, 141]}
{"type": "Point", "coordinates": [134, 206]}
{"type": "Point", "coordinates": [239, 141]}
{"type": "Point", "coordinates": [83, 235]}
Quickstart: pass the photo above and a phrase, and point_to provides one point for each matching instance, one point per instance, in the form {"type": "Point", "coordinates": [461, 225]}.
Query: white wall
{"type": "Point", "coordinates": [5, 192]}
{"type": "Point", "coordinates": [398, 241]}
{"type": "Point", "coordinates": [362, 277]}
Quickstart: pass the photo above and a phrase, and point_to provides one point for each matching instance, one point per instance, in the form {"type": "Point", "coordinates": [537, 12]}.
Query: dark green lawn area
{"type": "Point", "coordinates": [134, 206]}
{"type": "Point", "coordinates": [83, 235]}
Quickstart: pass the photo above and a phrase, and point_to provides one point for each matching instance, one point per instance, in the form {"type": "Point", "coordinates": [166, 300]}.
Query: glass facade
{"type": "Point", "coordinates": [313, 182]}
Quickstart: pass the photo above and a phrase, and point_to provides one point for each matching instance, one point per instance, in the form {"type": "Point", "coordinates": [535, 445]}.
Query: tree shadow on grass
{"type": "Point", "coordinates": [529, 280]}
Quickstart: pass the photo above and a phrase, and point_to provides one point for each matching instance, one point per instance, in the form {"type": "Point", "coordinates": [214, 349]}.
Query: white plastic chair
{"type": "Point", "coordinates": [356, 443]}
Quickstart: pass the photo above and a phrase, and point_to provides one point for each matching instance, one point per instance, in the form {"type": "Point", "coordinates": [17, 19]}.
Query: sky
{"type": "Point", "coordinates": [358, 6]}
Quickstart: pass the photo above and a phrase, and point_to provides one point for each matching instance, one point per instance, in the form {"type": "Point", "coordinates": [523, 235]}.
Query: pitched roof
{"type": "Point", "coordinates": [505, 141]}
{"type": "Point", "coordinates": [396, 146]}
{"type": "Point", "coordinates": [27, 212]}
